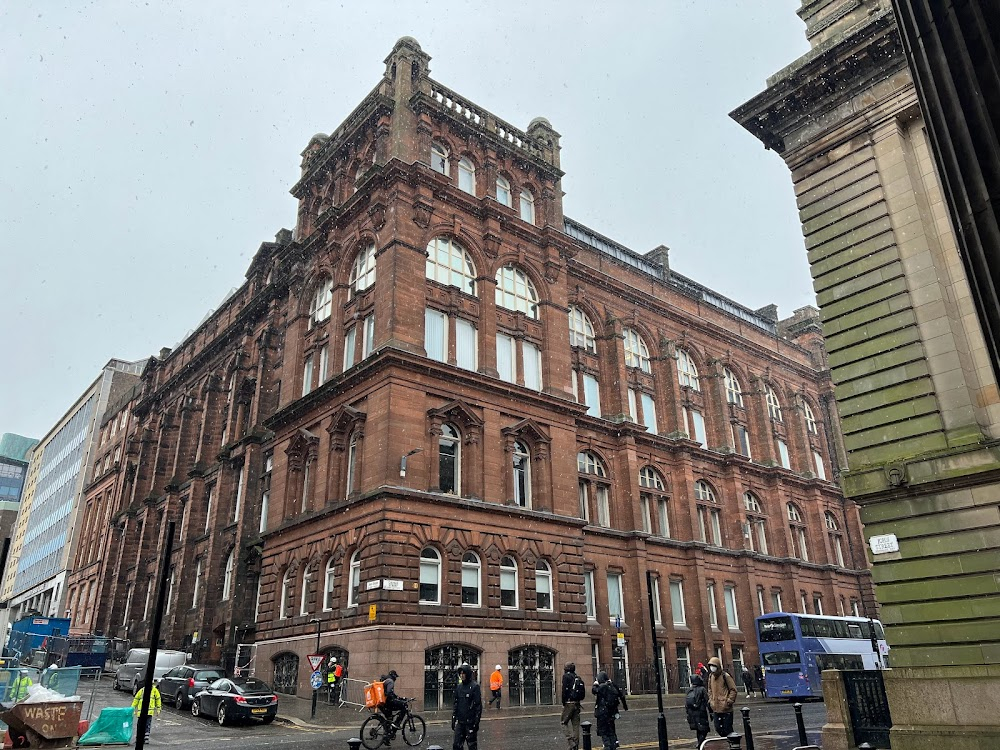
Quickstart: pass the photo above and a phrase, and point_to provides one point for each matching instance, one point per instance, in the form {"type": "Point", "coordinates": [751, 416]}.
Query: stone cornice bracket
{"type": "Point", "coordinates": [376, 212]}
{"type": "Point", "coordinates": [422, 212]}
{"type": "Point", "coordinates": [491, 244]}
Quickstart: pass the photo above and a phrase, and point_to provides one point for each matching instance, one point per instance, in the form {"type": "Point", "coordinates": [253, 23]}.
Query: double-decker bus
{"type": "Point", "coordinates": [795, 649]}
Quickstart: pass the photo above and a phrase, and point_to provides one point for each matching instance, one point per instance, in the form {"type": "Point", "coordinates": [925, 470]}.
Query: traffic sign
{"type": "Point", "coordinates": [316, 661]}
{"type": "Point", "coordinates": [316, 680]}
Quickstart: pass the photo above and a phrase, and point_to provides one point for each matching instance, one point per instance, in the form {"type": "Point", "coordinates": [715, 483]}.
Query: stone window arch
{"type": "Point", "coordinates": [515, 291]}
{"type": "Point", "coordinates": [653, 502]}
{"type": "Point", "coordinates": [593, 488]}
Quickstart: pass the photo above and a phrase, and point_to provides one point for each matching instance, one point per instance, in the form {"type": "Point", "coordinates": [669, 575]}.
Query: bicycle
{"type": "Point", "coordinates": [377, 730]}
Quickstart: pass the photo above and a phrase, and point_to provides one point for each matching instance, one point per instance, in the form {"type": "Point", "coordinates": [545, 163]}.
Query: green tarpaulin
{"type": "Point", "coordinates": [114, 725]}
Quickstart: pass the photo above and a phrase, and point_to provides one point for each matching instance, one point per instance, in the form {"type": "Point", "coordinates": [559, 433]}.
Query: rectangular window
{"type": "Point", "coordinates": [663, 517]}
{"type": "Point", "coordinates": [307, 375]}
{"type": "Point", "coordinates": [595, 657]}
{"type": "Point", "coordinates": [197, 584]}
{"type": "Point", "coordinates": [592, 394]}
{"type": "Point", "coordinates": [838, 550]}
{"type": "Point", "coordinates": [576, 386]}
{"type": "Point", "coordinates": [820, 467]}
{"type": "Point", "coordinates": [732, 617]}
{"type": "Point", "coordinates": [239, 495]}
{"type": "Point", "coordinates": [615, 597]}
{"type": "Point", "coordinates": [683, 665]}
{"type": "Point", "coordinates": [149, 596]}
{"type": "Point", "coordinates": [760, 601]}
{"type": "Point", "coordinates": [800, 534]}
{"type": "Point", "coordinates": [783, 454]}
{"type": "Point", "coordinates": [506, 358]}
{"type": "Point", "coordinates": [368, 345]}
{"type": "Point", "coordinates": [508, 588]}
{"type": "Point", "coordinates": [324, 365]}
{"type": "Point", "coordinates": [713, 615]}
{"type": "Point", "coordinates": [677, 602]}
{"type": "Point", "coordinates": [208, 509]}
{"type": "Point", "coordinates": [603, 511]}
{"type": "Point", "coordinates": [647, 520]}
{"type": "Point", "coordinates": [818, 605]}
{"type": "Point", "coordinates": [741, 439]}
{"type": "Point", "coordinates": [633, 409]}
{"type": "Point", "coordinates": [532, 359]}
{"type": "Point", "coordinates": [265, 495]}
{"type": "Point", "coordinates": [657, 618]}
{"type": "Point", "coordinates": [584, 502]}
{"type": "Point", "coordinates": [855, 608]}
{"type": "Point", "coordinates": [588, 590]}
{"type": "Point", "coordinates": [649, 413]}
{"type": "Point", "coordinates": [350, 344]}
{"type": "Point", "coordinates": [698, 428]}
{"type": "Point", "coordinates": [803, 609]}
{"type": "Point", "coordinates": [436, 335]}
{"type": "Point", "coordinates": [776, 601]}
{"type": "Point", "coordinates": [466, 345]}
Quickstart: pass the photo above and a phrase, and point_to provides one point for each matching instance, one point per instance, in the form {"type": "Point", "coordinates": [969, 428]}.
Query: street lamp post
{"type": "Point", "coordinates": [319, 624]}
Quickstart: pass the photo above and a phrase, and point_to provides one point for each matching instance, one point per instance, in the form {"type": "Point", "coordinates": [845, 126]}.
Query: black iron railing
{"type": "Point", "coordinates": [869, 707]}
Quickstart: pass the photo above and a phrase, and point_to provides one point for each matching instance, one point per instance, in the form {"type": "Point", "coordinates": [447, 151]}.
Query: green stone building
{"type": "Point", "coordinates": [915, 388]}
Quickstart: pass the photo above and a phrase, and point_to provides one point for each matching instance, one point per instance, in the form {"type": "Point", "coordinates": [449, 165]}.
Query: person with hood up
{"type": "Point", "coordinates": [721, 696]}
{"type": "Point", "coordinates": [468, 710]}
{"type": "Point", "coordinates": [573, 691]}
{"type": "Point", "coordinates": [606, 709]}
{"type": "Point", "coordinates": [696, 705]}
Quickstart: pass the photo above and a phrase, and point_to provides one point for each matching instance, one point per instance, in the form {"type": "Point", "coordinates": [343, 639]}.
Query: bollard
{"type": "Point", "coordinates": [355, 744]}
{"type": "Point", "coordinates": [747, 731]}
{"type": "Point", "coordinates": [734, 741]}
{"type": "Point", "coordinates": [585, 726]}
{"type": "Point", "coordinates": [800, 722]}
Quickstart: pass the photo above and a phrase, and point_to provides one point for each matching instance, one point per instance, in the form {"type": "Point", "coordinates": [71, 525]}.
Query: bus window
{"type": "Point", "coordinates": [839, 661]}
{"type": "Point", "coordinates": [781, 657]}
{"type": "Point", "coordinates": [854, 630]}
{"type": "Point", "coordinates": [775, 629]}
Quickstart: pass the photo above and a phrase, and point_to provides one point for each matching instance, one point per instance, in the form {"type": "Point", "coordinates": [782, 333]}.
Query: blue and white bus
{"type": "Point", "coordinates": [795, 649]}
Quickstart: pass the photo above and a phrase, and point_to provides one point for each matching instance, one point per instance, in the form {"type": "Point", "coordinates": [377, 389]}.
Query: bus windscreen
{"type": "Point", "coordinates": [781, 657]}
{"type": "Point", "coordinates": [775, 629]}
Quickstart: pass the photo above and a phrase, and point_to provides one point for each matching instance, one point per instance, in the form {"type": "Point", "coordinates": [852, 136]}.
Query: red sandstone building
{"type": "Point", "coordinates": [443, 423]}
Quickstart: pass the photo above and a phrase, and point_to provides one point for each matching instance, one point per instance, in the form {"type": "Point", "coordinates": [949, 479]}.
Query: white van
{"type": "Point", "coordinates": [132, 673]}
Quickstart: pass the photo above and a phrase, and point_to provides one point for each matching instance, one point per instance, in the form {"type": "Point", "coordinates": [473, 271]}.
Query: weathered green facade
{"type": "Point", "coordinates": [914, 387]}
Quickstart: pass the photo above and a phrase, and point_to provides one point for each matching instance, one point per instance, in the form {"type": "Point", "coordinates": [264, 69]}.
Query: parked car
{"type": "Point", "coordinates": [180, 685]}
{"type": "Point", "coordinates": [132, 672]}
{"type": "Point", "coordinates": [240, 698]}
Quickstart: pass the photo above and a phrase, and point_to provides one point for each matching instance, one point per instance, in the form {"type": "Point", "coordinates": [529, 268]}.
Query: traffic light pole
{"type": "Point", "coordinates": [661, 720]}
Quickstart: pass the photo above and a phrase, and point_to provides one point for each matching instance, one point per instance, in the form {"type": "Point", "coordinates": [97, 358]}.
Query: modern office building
{"type": "Point", "coordinates": [909, 341]}
{"type": "Point", "coordinates": [442, 422]}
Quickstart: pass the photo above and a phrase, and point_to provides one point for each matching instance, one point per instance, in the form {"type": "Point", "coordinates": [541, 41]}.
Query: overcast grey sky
{"type": "Point", "coordinates": [148, 149]}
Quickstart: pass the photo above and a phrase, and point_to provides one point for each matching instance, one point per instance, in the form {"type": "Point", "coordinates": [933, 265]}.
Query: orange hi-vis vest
{"type": "Point", "coordinates": [496, 681]}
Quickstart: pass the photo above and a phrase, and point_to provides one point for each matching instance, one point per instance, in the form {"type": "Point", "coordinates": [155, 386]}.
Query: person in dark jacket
{"type": "Point", "coordinates": [747, 679]}
{"type": "Point", "coordinates": [606, 709]}
{"type": "Point", "coordinates": [395, 705]}
{"type": "Point", "coordinates": [468, 710]}
{"type": "Point", "coordinates": [696, 705]}
{"type": "Point", "coordinates": [573, 691]}
{"type": "Point", "coordinates": [758, 676]}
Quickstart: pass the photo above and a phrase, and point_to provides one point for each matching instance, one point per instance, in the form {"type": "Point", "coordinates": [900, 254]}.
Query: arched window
{"type": "Point", "coordinates": [810, 418]}
{"type": "Point", "coordinates": [836, 543]}
{"type": "Point", "coordinates": [531, 676]}
{"type": "Point", "coordinates": [227, 576]}
{"type": "Point", "coordinates": [322, 302]}
{"type": "Point", "coordinates": [636, 351]}
{"type": "Point", "coordinates": [652, 500]}
{"type": "Point", "coordinates": [363, 270]}
{"type": "Point", "coordinates": [543, 586]}
{"type": "Point", "coordinates": [522, 475]}
{"type": "Point", "coordinates": [516, 292]}
{"type": "Point", "coordinates": [798, 530]}
{"type": "Point", "coordinates": [756, 526]}
{"type": "Point", "coordinates": [304, 594]}
{"type": "Point", "coordinates": [527, 206]}
{"type": "Point", "coordinates": [286, 592]}
{"type": "Point", "coordinates": [449, 263]}
{"type": "Point", "coordinates": [450, 460]}
{"type": "Point", "coordinates": [467, 176]}
{"type": "Point", "coordinates": [430, 576]}
{"type": "Point", "coordinates": [734, 393]}
{"type": "Point", "coordinates": [709, 516]}
{"type": "Point", "coordinates": [503, 192]}
{"type": "Point", "coordinates": [831, 521]}
{"type": "Point", "coordinates": [471, 579]}
{"type": "Point", "coordinates": [355, 577]}
{"type": "Point", "coordinates": [581, 330]}
{"type": "Point", "coordinates": [441, 665]}
{"type": "Point", "coordinates": [687, 371]}
{"type": "Point", "coordinates": [286, 673]}
{"type": "Point", "coordinates": [508, 582]}
{"type": "Point", "coordinates": [329, 581]}
{"type": "Point", "coordinates": [593, 486]}
{"type": "Point", "coordinates": [773, 406]}
{"type": "Point", "coordinates": [439, 159]}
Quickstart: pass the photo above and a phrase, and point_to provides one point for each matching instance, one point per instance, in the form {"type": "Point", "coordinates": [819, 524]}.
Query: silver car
{"type": "Point", "coordinates": [132, 672]}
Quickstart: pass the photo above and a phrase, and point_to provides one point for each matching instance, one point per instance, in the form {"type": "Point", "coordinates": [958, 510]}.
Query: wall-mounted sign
{"type": "Point", "coordinates": [390, 585]}
{"type": "Point", "coordinates": [884, 544]}
{"type": "Point", "coordinates": [373, 584]}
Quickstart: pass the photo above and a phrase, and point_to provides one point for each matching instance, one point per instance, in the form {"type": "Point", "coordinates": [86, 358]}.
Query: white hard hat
{"type": "Point", "coordinates": [498, 666]}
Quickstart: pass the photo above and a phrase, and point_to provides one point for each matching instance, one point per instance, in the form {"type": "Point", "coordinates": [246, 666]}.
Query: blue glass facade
{"type": "Point", "coordinates": [11, 479]}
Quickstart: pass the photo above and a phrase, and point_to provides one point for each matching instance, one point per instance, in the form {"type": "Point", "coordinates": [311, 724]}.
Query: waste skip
{"type": "Point", "coordinates": [112, 726]}
{"type": "Point", "coordinates": [51, 724]}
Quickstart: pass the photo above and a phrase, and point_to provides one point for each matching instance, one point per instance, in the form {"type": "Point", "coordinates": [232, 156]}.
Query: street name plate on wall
{"type": "Point", "coordinates": [390, 585]}
{"type": "Point", "coordinates": [373, 584]}
{"type": "Point", "coordinates": [884, 544]}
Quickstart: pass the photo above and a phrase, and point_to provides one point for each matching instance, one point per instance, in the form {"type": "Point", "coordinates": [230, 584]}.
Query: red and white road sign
{"type": "Point", "coordinates": [315, 661]}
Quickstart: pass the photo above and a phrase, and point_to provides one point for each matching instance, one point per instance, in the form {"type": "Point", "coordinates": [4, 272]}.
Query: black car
{"type": "Point", "coordinates": [181, 684]}
{"type": "Point", "coordinates": [239, 698]}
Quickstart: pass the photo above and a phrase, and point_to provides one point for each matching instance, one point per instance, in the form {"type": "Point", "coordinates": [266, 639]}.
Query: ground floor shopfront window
{"type": "Point", "coordinates": [286, 673]}
{"type": "Point", "coordinates": [441, 665]}
{"type": "Point", "coordinates": [531, 676]}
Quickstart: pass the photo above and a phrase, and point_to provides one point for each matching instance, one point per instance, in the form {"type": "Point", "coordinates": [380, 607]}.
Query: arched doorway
{"type": "Point", "coordinates": [440, 675]}
{"type": "Point", "coordinates": [531, 676]}
{"type": "Point", "coordinates": [286, 673]}
{"type": "Point", "coordinates": [342, 657]}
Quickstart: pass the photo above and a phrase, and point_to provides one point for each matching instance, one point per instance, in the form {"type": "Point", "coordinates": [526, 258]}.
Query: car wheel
{"type": "Point", "coordinates": [179, 700]}
{"type": "Point", "coordinates": [196, 707]}
{"type": "Point", "coordinates": [135, 685]}
{"type": "Point", "coordinates": [221, 716]}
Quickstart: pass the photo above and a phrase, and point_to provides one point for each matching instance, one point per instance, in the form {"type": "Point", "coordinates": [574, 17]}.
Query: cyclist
{"type": "Point", "coordinates": [393, 702]}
